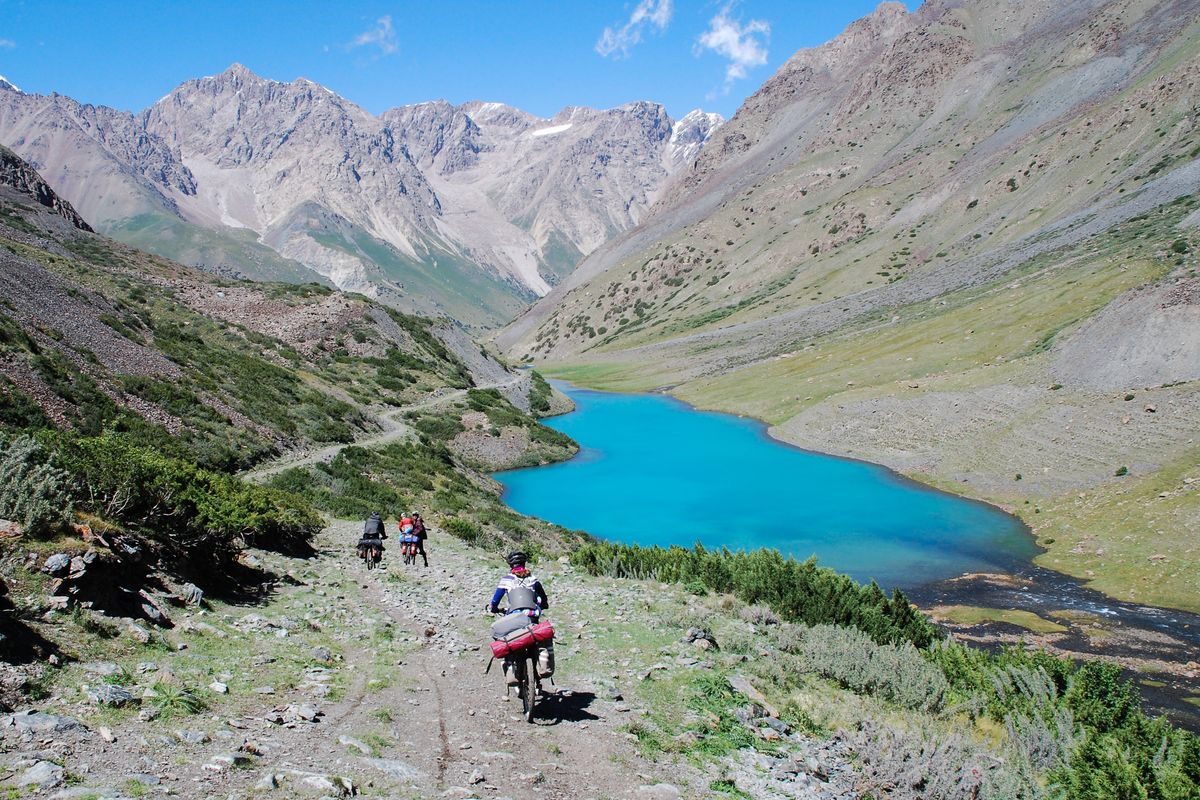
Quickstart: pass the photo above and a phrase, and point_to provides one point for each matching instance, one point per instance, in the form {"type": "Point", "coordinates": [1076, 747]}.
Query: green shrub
{"type": "Point", "coordinates": [1180, 246]}
{"type": "Point", "coordinates": [387, 479]}
{"type": "Point", "coordinates": [440, 426]}
{"type": "Point", "coordinates": [797, 591]}
{"type": "Point", "coordinates": [898, 673]}
{"type": "Point", "coordinates": [173, 700]}
{"type": "Point", "coordinates": [193, 511]}
{"type": "Point", "coordinates": [464, 529]}
{"type": "Point", "coordinates": [32, 491]}
{"type": "Point", "coordinates": [540, 391]}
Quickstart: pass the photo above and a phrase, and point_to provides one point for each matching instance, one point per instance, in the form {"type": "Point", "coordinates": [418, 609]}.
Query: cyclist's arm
{"type": "Point", "coordinates": [497, 596]}
{"type": "Point", "coordinates": [540, 594]}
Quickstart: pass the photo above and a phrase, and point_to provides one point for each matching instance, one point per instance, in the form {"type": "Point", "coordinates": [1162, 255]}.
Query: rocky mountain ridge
{"type": "Point", "coordinates": [470, 210]}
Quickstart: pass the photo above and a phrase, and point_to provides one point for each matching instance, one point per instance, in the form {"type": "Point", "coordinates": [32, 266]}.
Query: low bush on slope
{"type": "Point", "coordinates": [1069, 731]}
{"type": "Point", "coordinates": [798, 591]}
{"type": "Point", "coordinates": [190, 511]}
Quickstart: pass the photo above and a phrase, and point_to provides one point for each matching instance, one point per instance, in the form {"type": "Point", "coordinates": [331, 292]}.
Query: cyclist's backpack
{"type": "Point", "coordinates": [373, 527]}
{"type": "Point", "coordinates": [521, 597]}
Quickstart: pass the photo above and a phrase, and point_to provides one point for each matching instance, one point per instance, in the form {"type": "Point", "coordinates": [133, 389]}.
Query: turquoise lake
{"type": "Point", "coordinates": [654, 471]}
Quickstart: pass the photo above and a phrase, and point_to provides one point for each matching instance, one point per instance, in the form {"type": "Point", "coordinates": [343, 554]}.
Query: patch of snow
{"type": "Point", "coordinates": [691, 133]}
{"type": "Point", "coordinates": [553, 129]}
{"type": "Point", "coordinates": [6, 82]}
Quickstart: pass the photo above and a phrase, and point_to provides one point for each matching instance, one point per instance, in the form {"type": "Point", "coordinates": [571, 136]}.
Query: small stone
{"type": "Point", "coordinates": [302, 711]}
{"type": "Point", "coordinates": [193, 737]}
{"type": "Point", "coordinates": [149, 714]}
{"type": "Point", "coordinates": [269, 780]}
{"type": "Point", "coordinates": [218, 687]}
{"type": "Point", "coordinates": [322, 654]}
{"type": "Point", "coordinates": [57, 565]}
{"type": "Point", "coordinates": [139, 634]}
{"type": "Point", "coordinates": [102, 668]}
{"type": "Point", "coordinates": [106, 734]}
{"type": "Point", "coordinates": [225, 760]}
{"type": "Point", "coordinates": [264, 690]}
{"type": "Point", "coordinates": [475, 777]}
{"type": "Point", "coordinates": [659, 791]}
{"type": "Point", "coordinates": [108, 694]}
{"type": "Point", "coordinates": [397, 769]}
{"type": "Point", "coordinates": [191, 594]}
{"type": "Point", "coordinates": [44, 774]}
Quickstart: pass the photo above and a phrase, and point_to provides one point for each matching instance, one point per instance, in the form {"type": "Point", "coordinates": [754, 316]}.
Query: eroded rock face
{"type": "Point", "coordinates": [20, 176]}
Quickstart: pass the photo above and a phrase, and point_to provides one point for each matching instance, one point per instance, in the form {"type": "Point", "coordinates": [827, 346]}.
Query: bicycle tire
{"type": "Point", "coordinates": [530, 681]}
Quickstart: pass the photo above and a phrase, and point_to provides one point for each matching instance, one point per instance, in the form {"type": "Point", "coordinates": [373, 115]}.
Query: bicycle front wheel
{"type": "Point", "coordinates": [530, 682]}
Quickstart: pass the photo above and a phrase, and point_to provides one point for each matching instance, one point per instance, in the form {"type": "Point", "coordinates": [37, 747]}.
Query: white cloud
{"type": "Point", "coordinates": [745, 46]}
{"type": "Point", "coordinates": [621, 40]}
{"type": "Point", "coordinates": [383, 36]}
{"type": "Point", "coordinates": [7, 44]}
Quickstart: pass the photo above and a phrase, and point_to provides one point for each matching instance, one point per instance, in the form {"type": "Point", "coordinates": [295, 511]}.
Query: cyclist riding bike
{"type": "Point", "coordinates": [524, 595]}
{"type": "Point", "coordinates": [371, 543]}
{"type": "Point", "coordinates": [522, 588]}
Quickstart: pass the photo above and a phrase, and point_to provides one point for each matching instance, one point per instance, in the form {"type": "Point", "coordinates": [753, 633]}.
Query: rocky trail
{"type": "Point", "coordinates": [346, 682]}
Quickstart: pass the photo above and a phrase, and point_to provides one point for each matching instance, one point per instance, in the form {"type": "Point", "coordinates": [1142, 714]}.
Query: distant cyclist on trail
{"type": "Point", "coordinates": [421, 534]}
{"type": "Point", "coordinates": [372, 536]}
{"type": "Point", "coordinates": [522, 588]}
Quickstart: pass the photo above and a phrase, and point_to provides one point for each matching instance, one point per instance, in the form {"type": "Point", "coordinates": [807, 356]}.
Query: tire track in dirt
{"type": "Point", "coordinates": [576, 745]}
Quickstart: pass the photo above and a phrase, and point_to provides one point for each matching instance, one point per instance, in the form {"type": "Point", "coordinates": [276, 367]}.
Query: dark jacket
{"type": "Point", "coordinates": [373, 527]}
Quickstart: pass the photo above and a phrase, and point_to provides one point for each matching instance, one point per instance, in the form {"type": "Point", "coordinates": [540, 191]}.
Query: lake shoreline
{"type": "Point", "coordinates": [1159, 640]}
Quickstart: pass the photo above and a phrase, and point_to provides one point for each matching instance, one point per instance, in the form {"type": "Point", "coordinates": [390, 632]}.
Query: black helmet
{"type": "Point", "coordinates": [517, 559]}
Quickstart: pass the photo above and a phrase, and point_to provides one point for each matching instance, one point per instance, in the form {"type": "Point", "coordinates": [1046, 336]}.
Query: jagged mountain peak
{"type": "Point", "coordinates": [8, 86]}
{"type": "Point", "coordinates": [377, 204]}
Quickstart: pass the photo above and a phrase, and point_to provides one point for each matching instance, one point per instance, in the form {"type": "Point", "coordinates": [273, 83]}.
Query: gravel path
{"type": "Point", "coordinates": [393, 430]}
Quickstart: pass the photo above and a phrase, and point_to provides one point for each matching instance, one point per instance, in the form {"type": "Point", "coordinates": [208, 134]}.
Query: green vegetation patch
{"type": "Point", "coordinates": [799, 591]}
{"type": "Point", "coordinates": [976, 615]}
{"type": "Point", "coordinates": [1092, 535]}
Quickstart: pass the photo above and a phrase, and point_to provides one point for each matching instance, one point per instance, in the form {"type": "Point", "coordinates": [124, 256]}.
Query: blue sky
{"type": "Point", "coordinates": [538, 56]}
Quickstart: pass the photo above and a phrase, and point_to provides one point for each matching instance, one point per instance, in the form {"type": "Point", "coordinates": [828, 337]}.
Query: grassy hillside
{"type": "Point", "coordinates": [133, 389]}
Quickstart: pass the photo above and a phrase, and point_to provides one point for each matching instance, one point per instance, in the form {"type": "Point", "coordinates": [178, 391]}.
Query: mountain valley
{"type": "Point", "coordinates": [959, 242]}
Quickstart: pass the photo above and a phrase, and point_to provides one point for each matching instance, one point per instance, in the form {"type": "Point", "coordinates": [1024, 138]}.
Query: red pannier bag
{"type": "Point", "coordinates": [520, 640]}
{"type": "Point", "coordinates": [543, 632]}
{"type": "Point", "coordinates": [513, 634]}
